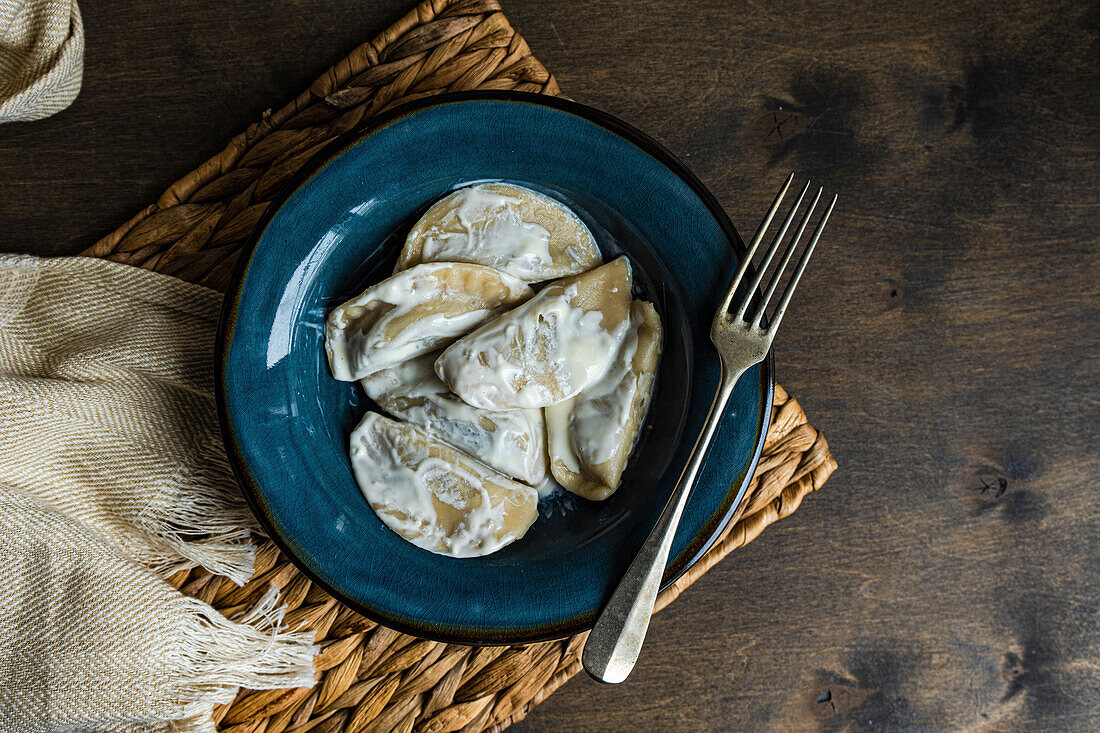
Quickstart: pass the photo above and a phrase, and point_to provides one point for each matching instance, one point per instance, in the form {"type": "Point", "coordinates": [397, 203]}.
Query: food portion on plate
{"type": "Point", "coordinates": [511, 441]}
{"type": "Point", "coordinates": [546, 350]}
{"type": "Point", "coordinates": [435, 496]}
{"type": "Point", "coordinates": [591, 436]}
{"type": "Point", "coordinates": [511, 228]}
{"type": "Point", "coordinates": [414, 312]}
{"type": "Point", "coordinates": [557, 381]}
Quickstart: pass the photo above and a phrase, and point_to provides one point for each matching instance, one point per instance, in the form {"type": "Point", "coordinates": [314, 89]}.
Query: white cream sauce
{"type": "Point", "coordinates": [591, 427]}
{"type": "Point", "coordinates": [538, 354]}
{"type": "Point", "coordinates": [505, 226]}
{"type": "Point", "coordinates": [433, 496]}
{"type": "Point", "coordinates": [488, 227]}
{"type": "Point", "coordinates": [549, 487]}
{"type": "Point", "coordinates": [358, 341]}
{"type": "Point", "coordinates": [511, 441]}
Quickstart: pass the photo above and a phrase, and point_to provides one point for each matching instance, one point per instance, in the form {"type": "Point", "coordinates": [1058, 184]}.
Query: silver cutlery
{"type": "Point", "coordinates": [615, 641]}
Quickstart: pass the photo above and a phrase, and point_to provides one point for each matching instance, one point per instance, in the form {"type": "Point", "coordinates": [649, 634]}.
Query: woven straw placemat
{"type": "Point", "coordinates": [372, 678]}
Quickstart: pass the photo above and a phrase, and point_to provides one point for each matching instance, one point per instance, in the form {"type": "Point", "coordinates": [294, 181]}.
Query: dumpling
{"type": "Point", "coordinates": [511, 228]}
{"type": "Point", "coordinates": [592, 435]}
{"type": "Point", "coordinates": [414, 312]}
{"type": "Point", "coordinates": [546, 350]}
{"type": "Point", "coordinates": [434, 496]}
{"type": "Point", "coordinates": [511, 441]}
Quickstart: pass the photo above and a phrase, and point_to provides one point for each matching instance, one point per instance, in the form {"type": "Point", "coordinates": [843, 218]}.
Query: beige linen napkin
{"type": "Point", "coordinates": [41, 57]}
{"type": "Point", "coordinates": [112, 472]}
{"type": "Point", "coordinates": [90, 641]}
{"type": "Point", "coordinates": [107, 409]}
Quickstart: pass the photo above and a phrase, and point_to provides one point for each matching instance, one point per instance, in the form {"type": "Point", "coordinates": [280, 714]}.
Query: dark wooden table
{"type": "Point", "coordinates": [947, 338]}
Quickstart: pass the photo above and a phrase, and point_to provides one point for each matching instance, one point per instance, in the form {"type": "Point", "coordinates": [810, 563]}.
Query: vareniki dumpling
{"type": "Point", "coordinates": [511, 441]}
{"type": "Point", "coordinates": [434, 496]}
{"type": "Point", "coordinates": [511, 228]}
{"type": "Point", "coordinates": [414, 312]}
{"type": "Point", "coordinates": [546, 350]}
{"type": "Point", "coordinates": [592, 435]}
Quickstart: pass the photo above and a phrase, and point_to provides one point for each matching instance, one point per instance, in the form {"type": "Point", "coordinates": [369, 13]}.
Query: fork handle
{"type": "Point", "coordinates": [616, 639]}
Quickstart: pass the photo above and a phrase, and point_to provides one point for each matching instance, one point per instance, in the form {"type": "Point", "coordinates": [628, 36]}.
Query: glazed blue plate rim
{"type": "Point", "coordinates": [695, 550]}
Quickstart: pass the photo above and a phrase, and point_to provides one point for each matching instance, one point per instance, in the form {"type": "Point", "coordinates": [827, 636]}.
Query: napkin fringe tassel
{"type": "Point", "coordinates": [253, 650]}
{"type": "Point", "coordinates": [200, 518]}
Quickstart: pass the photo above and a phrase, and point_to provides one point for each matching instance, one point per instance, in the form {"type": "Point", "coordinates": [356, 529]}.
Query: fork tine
{"type": "Point", "coordinates": [757, 238]}
{"type": "Point", "coordinates": [777, 276]}
{"type": "Point", "coordinates": [802, 261]}
{"type": "Point", "coordinates": [776, 242]}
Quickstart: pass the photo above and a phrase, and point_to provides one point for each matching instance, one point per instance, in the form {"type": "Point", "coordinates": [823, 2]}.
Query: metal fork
{"type": "Point", "coordinates": [616, 639]}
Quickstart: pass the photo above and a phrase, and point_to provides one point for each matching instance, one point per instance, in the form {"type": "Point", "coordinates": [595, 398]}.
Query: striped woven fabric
{"type": "Point", "coordinates": [41, 58]}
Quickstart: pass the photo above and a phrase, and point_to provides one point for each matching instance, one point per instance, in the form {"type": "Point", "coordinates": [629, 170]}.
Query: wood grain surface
{"type": "Point", "coordinates": [946, 338]}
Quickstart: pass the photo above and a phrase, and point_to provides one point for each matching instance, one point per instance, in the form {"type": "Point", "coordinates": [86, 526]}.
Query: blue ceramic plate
{"type": "Point", "coordinates": [339, 226]}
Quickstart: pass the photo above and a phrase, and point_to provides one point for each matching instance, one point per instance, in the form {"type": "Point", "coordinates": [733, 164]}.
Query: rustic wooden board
{"type": "Point", "coordinates": [946, 338]}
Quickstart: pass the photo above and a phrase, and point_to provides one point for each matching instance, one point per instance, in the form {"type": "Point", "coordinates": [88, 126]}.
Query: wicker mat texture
{"type": "Point", "coordinates": [372, 678]}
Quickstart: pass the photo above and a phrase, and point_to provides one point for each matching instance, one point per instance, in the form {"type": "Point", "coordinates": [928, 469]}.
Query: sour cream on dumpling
{"type": "Point", "coordinates": [546, 350]}
{"type": "Point", "coordinates": [591, 436]}
{"type": "Point", "coordinates": [501, 225]}
{"type": "Point", "coordinates": [414, 312]}
{"type": "Point", "coordinates": [511, 441]}
{"type": "Point", "coordinates": [434, 496]}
